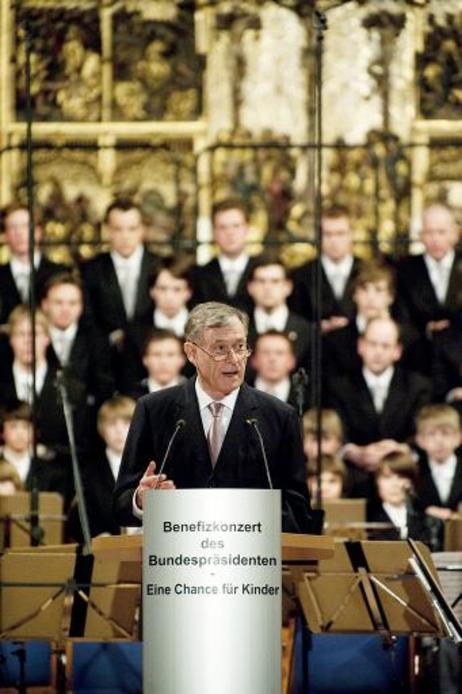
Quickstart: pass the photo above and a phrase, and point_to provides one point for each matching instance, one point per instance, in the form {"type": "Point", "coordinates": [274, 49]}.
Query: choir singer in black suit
{"type": "Point", "coordinates": [218, 418]}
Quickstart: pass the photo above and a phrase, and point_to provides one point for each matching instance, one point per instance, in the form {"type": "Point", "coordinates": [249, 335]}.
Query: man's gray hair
{"type": "Point", "coordinates": [212, 314]}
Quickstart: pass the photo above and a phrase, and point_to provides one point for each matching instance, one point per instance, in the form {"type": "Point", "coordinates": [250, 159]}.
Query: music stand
{"type": "Point", "coordinates": [15, 522]}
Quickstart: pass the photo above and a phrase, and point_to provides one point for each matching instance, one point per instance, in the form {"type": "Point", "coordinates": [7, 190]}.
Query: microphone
{"type": "Point", "coordinates": [179, 424]}
{"type": "Point", "coordinates": [252, 422]}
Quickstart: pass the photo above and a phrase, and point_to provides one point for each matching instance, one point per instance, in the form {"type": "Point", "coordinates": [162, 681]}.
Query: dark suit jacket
{"type": "Point", "coordinates": [240, 461]}
{"type": "Point", "coordinates": [340, 350]}
{"type": "Point", "coordinates": [302, 299]}
{"type": "Point", "coordinates": [104, 305]}
{"type": "Point", "coordinates": [51, 428]}
{"type": "Point", "coordinates": [209, 285]}
{"type": "Point", "coordinates": [98, 483]}
{"type": "Point", "coordinates": [9, 294]}
{"type": "Point", "coordinates": [299, 332]}
{"type": "Point", "coordinates": [417, 296]}
{"type": "Point", "coordinates": [447, 361]}
{"type": "Point", "coordinates": [351, 397]}
{"type": "Point", "coordinates": [427, 491]}
{"type": "Point", "coordinates": [90, 363]}
{"type": "Point", "coordinates": [419, 526]}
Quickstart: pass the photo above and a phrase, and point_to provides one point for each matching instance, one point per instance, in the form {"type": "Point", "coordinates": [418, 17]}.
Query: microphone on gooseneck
{"type": "Point", "coordinates": [179, 424]}
{"type": "Point", "coordinates": [252, 422]}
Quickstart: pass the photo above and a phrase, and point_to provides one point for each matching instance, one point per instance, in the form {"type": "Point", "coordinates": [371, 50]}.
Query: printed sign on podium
{"type": "Point", "coordinates": [212, 592]}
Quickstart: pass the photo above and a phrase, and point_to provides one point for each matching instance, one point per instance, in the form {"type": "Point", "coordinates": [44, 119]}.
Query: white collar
{"type": "Point", "coordinates": [383, 379]}
{"type": "Point", "coordinates": [343, 267]}
{"type": "Point", "coordinates": [114, 460]}
{"type": "Point", "coordinates": [154, 386]}
{"type": "Point", "coordinates": [177, 323]}
{"type": "Point", "coordinates": [279, 390]}
{"type": "Point", "coordinates": [18, 267]}
{"type": "Point", "coordinates": [133, 260]}
{"type": "Point", "coordinates": [445, 469]}
{"type": "Point", "coordinates": [68, 333]}
{"type": "Point", "coordinates": [445, 262]}
{"type": "Point", "coordinates": [237, 264]}
{"type": "Point", "coordinates": [205, 399]}
{"type": "Point", "coordinates": [361, 323]}
{"type": "Point", "coordinates": [23, 373]}
{"type": "Point", "coordinates": [277, 318]}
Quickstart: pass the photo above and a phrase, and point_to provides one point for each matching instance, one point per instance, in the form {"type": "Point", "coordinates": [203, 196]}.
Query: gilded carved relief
{"type": "Point", "coordinates": [65, 63]}
{"type": "Point", "coordinates": [157, 74]}
{"type": "Point", "coordinates": [439, 68]}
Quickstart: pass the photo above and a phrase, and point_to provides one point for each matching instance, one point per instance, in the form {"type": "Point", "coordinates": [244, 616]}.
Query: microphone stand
{"type": "Point", "coordinates": [36, 531]}
{"type": "Point", "coordinates": [299, 383]}
{"type": "Point", "coordinates": [83, 515]}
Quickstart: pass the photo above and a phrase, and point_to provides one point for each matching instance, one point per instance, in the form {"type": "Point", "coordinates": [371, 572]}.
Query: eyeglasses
{"type": "Point", "coordinates": [222, 353]}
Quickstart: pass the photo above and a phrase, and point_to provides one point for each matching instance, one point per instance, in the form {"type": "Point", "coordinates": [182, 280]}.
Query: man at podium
{"type": "Point", "coordinates": [214, 430]}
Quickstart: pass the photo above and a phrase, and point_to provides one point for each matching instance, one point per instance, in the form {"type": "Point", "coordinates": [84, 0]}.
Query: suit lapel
{"type": "Point", "coordinates": [424, 285]}
{"type": "Point", "coordinates": [245, 408]}
{"type": "Point", "coordinates": [217, 278]}
{"type": "Point", "coordinates": [394, 399]}
{"type": "Point", "coordinates": [142, 293]}
{"type": "Point", "coordinates": [455, 283]}
{"type": "Point", "coordinates": [455, 493]}
{"type": "Point", "coordinates": [112, 285]}
{"type": "Point", "coordinates": [188, 409]}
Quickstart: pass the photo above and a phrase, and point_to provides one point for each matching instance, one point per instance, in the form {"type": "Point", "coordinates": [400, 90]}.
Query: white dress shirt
{"type": "Point", "coordinates": [379, 385]}
{"type": "Point", "coordinates": [232, 270]}
{"type": "Point", "coordinates": [114, 460]}
{"type": "Point", "coordinates": [440, 272]}
{"type": "Point", "coordinates": [443, 475]}
{"type": "Point", "coordinates": [274, 320]}
{"type": "Point", "coordinates": [62, 341]}
{"type": "Point", "coordinates": [23, 380]}
{"type": "Point", "coordinates": [154, 386]}
{"type": "Point", "coordinates": [176, 324]}
{"type": "Point", "coordinates": [20, 461]}
{"type": "Point", "coordinates": [398, 516]}
{"type": "Point", "coordinates": [21, 274]}
{"type": "Point", "coordinates": [279, 390]}
{"type": "Point", "coordinates": [337, 273]}
{"type": "Point", "coordinates": [128, 272]}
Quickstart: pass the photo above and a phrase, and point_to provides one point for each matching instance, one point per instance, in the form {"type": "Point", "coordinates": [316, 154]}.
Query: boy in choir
{"type": "Point", "coordinates": [225, 277]}
{"type": "Point", "coordinates": [396, 503]}
{"type": "Point", "coordinates": [373, 297]}
{"type": "Point", "coordinates": [338, 269]}
{"type": "Point", "coordinates": [100, 473]}
{"type": "Point", "coordinates": [17, 463]}
{"type": "Point", "coordinates": [170, 290]}
{"type": "Point", "coordinates": [164, 360]}
{"type": "Point", "coordinates": [269, 287]}
{"type": "Point", "coordinates": [331, 433]}
{"type": "Point", "coordinates": [15, 274]}
{"type": "Point", "coordinates": [333, 477]}
{"type": "Point", "coordinates": [80, 350]}
{"type": "Point", "coordinates": [16, 382]}
{"type": "Point", "coordinates": [440, 465]}
{"type": "Point", "coordinates": [273, 362]}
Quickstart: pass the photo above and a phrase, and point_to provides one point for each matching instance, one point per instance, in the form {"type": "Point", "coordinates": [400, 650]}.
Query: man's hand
{"type": "Point", "coordinates": [435, 326]}
{"type": "Point", "coordinates": [333, 323]}
{"type": "Point", "coordinates": [151, 481]}
{"type": "Point", "coordinates": [439, 512]}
